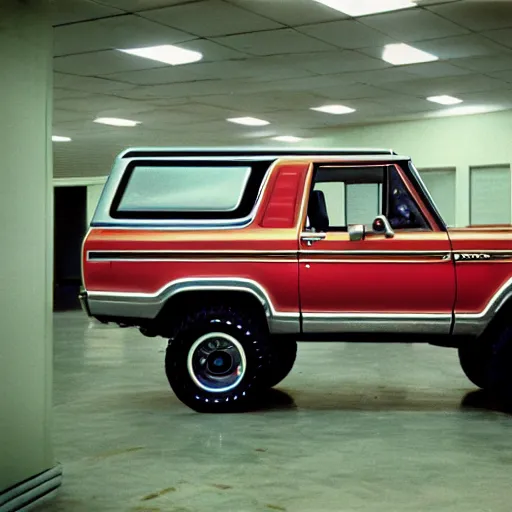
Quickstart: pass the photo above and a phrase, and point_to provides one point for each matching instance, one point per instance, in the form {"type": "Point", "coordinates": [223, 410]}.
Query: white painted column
{"type": "Point", "coordinates": [26, 257]}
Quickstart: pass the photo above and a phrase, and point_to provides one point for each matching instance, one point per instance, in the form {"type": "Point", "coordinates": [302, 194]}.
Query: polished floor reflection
{"type": "Point", "coordinates": [354, 428]}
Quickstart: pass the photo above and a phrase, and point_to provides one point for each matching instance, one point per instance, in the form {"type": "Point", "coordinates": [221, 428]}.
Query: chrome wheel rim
{"type": "Point", "coordinates": [216, 362]}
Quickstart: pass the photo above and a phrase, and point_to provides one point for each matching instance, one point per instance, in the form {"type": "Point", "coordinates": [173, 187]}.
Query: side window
{"type": "Point", "coordinates": [402, 211]}
{"type": "Point", "coordinates": [342, 196]}
{"type": "Point", "coordinates": [188, 190]}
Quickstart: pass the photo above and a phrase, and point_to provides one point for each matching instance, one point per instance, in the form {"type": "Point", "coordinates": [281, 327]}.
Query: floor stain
{"type": "Point", "coordinates": [276, 507]}
{"type": "Point", "coordinates": [260, 450]}
{"type": "Point", "coordinates": [222, 486]}
{"type": "Point", "coordinates": [154, 495]}
{"type": "Point", "coordinates": [145, 509]}
{"type": "Point", "coordinates": [121, 451]}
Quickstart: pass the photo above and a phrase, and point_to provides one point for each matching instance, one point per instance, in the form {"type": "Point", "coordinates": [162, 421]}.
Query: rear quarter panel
{"type": "Point", "coordinates": [144, 260]}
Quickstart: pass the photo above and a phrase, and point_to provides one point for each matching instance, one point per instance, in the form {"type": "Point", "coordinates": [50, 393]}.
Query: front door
{"type": "Point", "coordinates": [404, 283]}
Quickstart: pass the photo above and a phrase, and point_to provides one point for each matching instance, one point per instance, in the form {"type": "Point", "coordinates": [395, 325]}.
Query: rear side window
{"type": "Point", "coordinates": [187, 190]}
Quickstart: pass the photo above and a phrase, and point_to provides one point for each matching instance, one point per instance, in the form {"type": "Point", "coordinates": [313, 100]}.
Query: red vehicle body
{"type": "Point", "coordinates": [379, 282]}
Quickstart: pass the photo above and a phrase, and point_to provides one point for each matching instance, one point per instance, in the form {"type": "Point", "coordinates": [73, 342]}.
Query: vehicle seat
{"type": "Point", "coordinates": [317, 211]}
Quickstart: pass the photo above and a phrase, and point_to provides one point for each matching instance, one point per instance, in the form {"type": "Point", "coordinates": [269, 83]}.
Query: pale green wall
{"type": "Point", "coordinates": [93, 196]}
{"type": "Point", "coordinates": [460, 142]}
{"type": "Point", "coordinates": [26, 240]}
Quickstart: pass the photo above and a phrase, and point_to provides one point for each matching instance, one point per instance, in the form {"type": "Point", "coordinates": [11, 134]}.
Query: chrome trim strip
{"type": "Point", "coordinates": [376, 253]}
{"type": "Point", "coordinates": [252, 151]}
{"type": "Point", "coordinates": [198, 259]}
{"type": "Point", "coordinates": [377, 323]}
{"type": "Point", "coordinates": [148, 305]}
{"type": "Point", "coordinates": [475, 323]}
{"type": "Point", "coordinates": [374, 260]}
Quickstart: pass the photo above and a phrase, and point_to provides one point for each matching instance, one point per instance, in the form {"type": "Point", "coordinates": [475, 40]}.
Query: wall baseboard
{"type": "Point", "coordinates": [27, 495]}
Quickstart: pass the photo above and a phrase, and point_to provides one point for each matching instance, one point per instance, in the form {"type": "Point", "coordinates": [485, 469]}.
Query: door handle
{"type": "Point", "coordinates": [309, 238]}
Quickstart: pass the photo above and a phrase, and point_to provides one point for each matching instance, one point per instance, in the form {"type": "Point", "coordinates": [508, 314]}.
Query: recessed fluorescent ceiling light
{"type": "Point", "coordinates": [166, 53]}
{"type": "Point", "coordinates": [287, 138]}
{"type": "Point", "coordinates": [400, 53]}
{"type": "Point", "coordinates": [114, 121]}
{"type": "Point", "coordinates": [334, 109]}
{"type": "Point", "coordinates": [248, 121]}
{"type": "Point", "coordinates": [364, 7]}
{"type": "Point", "coordinates": [59, 138]}
{"type": "Point", "coordinates": [444, 100]}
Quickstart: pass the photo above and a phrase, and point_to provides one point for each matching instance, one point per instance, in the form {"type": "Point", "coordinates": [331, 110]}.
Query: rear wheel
{"type": "Point", "coordinates": [218, 360]}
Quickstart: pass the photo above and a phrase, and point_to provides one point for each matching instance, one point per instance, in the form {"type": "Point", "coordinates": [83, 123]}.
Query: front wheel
{"type": "Point", "coordinates": [218, 360]}
{"type": "Point", "coordinates": [475, 359]}
{"type": "Point", "coordinates": [284, 354]}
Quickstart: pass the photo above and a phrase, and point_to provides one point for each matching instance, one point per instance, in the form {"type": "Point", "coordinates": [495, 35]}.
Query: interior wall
{"type": "Point", "coordinates": [93, 196]}
{"type": "Point", "coordinates": [460, 142]}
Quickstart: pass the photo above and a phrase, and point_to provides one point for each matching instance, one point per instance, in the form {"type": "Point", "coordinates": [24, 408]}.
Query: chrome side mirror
{"type": "Point", "coordinates": [381, 225]}
{"type": "Point", "coordinates": [356, 232]}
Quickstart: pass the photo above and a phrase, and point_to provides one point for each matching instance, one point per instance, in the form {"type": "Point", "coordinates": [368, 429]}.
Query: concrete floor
{"type": "Point", "coordinates": [354, 428]}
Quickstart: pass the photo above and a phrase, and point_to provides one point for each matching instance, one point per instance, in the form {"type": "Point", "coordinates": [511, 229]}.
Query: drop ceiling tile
{"type": "Point", "coordinates": [500, 96]}
{"type": "Point", "coordinates": [351, 92]}
{"type": "Point", "coordinates": [97, 103]}
{"type": "Point", "coordinates": [348, 34]}
{"type": "Point", "coordinates": [127, 31]}
{"type": "Point", "coordinates": [88, 84]}
{"type": "Point", "coordinates": [380, 76]}
{"type": "Point", "coordinates": [459, 46]}
{"type": "Point", "coordinates": [180, 90]}
{"type": "Point", "coordinates": [329, 63]}
{"type": "Point", "coordinates": [487, 64]}
{"type": "Point", "coordinates": [211, 51]}
{"type": "Point", "coordinates": [448, 85]}
{"type": "Point", "coordinates": [71, 11]}
{"type": "Point", "coordinates": [211, 18]}
{"type": "Point", "coordinates": [310, 84]}
{"type": "Point", "coordinates": [435, 70]}
{"type": "Point", "coordinates": [503, 36]}
{"type": "Point", "coordinates": [64, 116]}
{"type": "Point", "coordinates": [101, 63]}
{"type": "Point", "coordinates": [155, 76]}
{"type": "Point", "coordinates": [291, 12]}
{"type": "Point", "coordinates": [477, 15]}
{"type": "Point", "coordinates": [274, 42]}
{"type": "Point", "coordinates": [259, 104]}
{"type": "Point", "coordinates": [505, 76]}
{"type": "Point", "coordinates": [252, 69]}
{"type": "Point", "coordinates": [141, 5]}
{"type": "Point", "coordinates": [413, 25]}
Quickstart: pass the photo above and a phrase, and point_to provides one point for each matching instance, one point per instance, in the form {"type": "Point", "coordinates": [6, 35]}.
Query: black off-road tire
{"type": "Point", "coordinates": [475, 359]}
{"type": "Point", "coordinates": [284, 354]}
{"type": "Point", "coordinates": [250, 333]}
{"type": "Point", "coordinates": [500, 366]}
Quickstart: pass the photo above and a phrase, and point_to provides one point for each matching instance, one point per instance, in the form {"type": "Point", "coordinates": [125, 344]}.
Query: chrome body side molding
{"type": "Point", "coordinates": [474, 324]}
{"type": "Point", "coordinates": [379, 323]}
{"type": "Point", "coordinates": [147, 306]}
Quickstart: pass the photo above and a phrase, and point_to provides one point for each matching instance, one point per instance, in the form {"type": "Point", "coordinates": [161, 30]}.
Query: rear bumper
{"type": "Point", "coordinates": [84, 302]}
